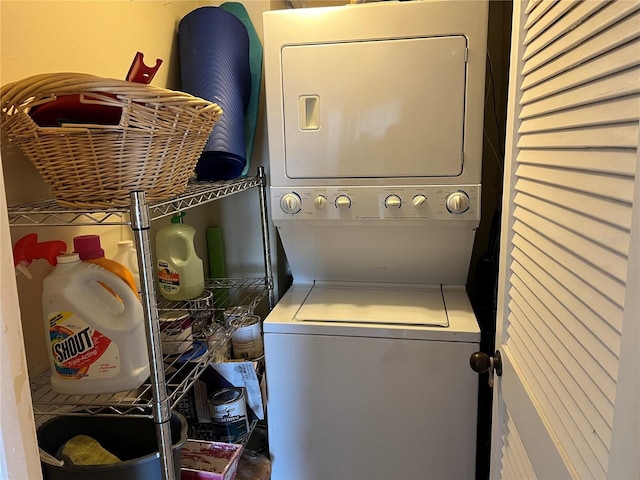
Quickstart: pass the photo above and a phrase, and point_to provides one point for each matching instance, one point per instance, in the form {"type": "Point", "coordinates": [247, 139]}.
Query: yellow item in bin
{"type": "Point", "coordinates": [85, 450]}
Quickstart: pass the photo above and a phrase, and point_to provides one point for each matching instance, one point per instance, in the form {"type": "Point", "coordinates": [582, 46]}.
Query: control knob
{"type": "Point", "coordinates": [343, 201]}
{"type": "Point", "coordinates": [393, 201]}
{"type": "Point", "coordinates": [290, 203]}
{"type": "Point", "coordinates": [419, 200]}
{"type": "Point", "coordinates": [457, 202]}
{"type": "Point", "coordinates": [320, 201]}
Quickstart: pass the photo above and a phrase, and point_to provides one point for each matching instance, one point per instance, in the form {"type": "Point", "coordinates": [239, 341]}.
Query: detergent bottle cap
{"type": "Point", "coordinates": [177, 218]}
{"type": "Point", "coordinates": [88, 247]}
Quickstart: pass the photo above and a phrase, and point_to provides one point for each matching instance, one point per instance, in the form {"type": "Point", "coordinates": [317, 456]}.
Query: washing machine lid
{"type": "Point", "coordinates": [374, 304]}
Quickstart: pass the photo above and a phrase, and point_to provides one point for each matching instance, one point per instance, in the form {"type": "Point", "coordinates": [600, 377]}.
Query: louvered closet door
{"type": "Point", "coordinates": [567, 404]}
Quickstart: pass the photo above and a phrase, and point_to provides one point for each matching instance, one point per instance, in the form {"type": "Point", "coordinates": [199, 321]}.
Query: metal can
{"type": "Point", "coordinates": [175, 331]}
{"type": "Point", "coordinates": [239, 311]}
{"type": "Point", "coordinates": [229, 415]}
{"type": "Point", "coordinates": [247, 337]}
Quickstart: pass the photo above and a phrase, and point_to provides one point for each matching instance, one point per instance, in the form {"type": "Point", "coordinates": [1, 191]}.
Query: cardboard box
{"type": "Point", "coordinates": [210, 460]}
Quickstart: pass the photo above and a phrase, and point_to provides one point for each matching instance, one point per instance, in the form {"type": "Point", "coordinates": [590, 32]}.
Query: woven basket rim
{"type": "Point", "coordinates": [18, 97]}
{"type": "Point", "coordinates": [69, 82]}
{"type": "Point", "coordinates": [160, 136]}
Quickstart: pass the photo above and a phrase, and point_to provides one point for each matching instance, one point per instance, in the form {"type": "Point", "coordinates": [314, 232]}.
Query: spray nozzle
{"type": "Point", "coordinates": [28, 249]}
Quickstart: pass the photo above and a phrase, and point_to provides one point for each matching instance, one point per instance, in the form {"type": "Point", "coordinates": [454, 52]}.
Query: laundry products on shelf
{"type": "Point", "coordinates": [180, 270]}
{"type": "Point", "coordinates": [96, 340]}
{"type": "Point", "coordinates": [89, 250]}
{"type": "Point", "coordinates": [128, 256]}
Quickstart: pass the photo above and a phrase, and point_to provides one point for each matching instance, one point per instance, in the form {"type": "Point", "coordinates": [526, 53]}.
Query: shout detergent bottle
{"type": "Point", "coordinates": [96, 340]}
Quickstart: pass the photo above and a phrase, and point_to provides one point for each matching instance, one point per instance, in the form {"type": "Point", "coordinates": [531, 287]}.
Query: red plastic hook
{"type": "Point", "coordinates": [141, 73]}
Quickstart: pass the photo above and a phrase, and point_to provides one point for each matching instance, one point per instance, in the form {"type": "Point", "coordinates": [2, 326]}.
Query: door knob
{"type": "Point", "coordinates": [482, 363]}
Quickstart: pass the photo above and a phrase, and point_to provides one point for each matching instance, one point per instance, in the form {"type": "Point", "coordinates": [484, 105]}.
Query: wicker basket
{"type": "Point", "coordinates": [154, 148]}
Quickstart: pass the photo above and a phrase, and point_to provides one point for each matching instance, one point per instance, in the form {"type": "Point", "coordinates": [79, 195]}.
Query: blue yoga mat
{"type": "Point", "coordinates": [214, 65]}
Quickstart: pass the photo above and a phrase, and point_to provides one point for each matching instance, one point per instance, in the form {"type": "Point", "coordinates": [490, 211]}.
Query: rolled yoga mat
{"type": "Point", "coordinates": [255, 65]}
{"type": "Point", "coordinates": [214, 65]}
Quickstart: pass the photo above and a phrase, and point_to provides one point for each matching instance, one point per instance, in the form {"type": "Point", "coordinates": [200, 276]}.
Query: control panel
{"type": "Point", "coordinates": [415, 202]}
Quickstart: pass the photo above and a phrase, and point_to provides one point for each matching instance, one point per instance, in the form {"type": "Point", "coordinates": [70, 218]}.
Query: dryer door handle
{"type": "Point", "coordinates": [309, 112]}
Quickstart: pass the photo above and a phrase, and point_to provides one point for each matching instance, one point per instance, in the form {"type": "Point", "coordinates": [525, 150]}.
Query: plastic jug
{"type": "Point", "coordinates": [127, 256]}
{"type": "Point", "coordinates": [96, 342]}
{"type": "Point", "coordinates": [89, 249]}
{"type": "Point", "coordinates": [180, 270]}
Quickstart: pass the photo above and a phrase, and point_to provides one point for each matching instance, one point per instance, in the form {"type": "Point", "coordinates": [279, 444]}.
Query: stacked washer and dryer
{"type": "Point", "coordinates": [375, 125]}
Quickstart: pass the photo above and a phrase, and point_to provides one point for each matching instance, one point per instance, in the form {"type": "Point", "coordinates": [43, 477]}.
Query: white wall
{"type": "Point", "coordinates": [18, 453]}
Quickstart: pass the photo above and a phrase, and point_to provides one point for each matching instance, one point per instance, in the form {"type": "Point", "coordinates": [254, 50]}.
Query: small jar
{"type": "Point", "coordinates": [201, 309]}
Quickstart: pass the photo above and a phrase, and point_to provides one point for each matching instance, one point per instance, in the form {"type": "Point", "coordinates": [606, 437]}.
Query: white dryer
{"type": "Point", "coordinates": [374, 118]}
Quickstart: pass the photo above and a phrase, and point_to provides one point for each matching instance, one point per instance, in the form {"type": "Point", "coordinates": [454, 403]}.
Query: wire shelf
{"type": "Point", "coordinates": [48, 212]}
{"type": "Point", "coordinates": [180, 375]}
{"type": "Point", "coordinates": [169, 379]}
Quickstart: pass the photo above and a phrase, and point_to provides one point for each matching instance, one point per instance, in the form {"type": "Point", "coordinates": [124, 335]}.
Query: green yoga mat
{"type": "Point", "coordinates": [255, 67]}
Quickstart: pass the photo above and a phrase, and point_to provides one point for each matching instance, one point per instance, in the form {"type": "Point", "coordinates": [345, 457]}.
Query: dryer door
{"type": "Point", "coordinates": [381, 108]}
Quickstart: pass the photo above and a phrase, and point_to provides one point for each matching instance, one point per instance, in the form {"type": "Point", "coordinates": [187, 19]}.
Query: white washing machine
{"type": "Point", "coordinates": [374, 115]}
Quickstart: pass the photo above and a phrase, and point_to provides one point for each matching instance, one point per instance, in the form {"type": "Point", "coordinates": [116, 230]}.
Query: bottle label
{"type": "Point", "coordinates": [80, 351]}
{"type": "Point", "coordinates": [168, 278]}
